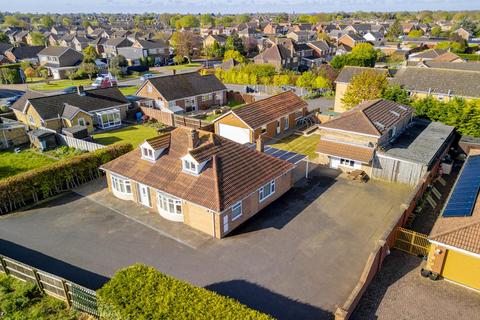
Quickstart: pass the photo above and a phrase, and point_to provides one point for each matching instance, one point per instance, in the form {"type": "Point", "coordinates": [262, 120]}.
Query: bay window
{"type": "Point", "coordinates": [169, 204]}
{"type": "Point", "coordinates": [121, 185]}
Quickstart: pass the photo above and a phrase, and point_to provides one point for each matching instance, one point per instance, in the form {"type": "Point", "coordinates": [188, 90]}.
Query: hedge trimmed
{"type": "Point", "coordinates": [44, 182]}
{"type": "Point", "coordinates": [142, 292]}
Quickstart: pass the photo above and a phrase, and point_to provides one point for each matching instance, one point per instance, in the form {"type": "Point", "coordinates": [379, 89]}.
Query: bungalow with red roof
{"type": "Point", "coordinates": [201, 179]}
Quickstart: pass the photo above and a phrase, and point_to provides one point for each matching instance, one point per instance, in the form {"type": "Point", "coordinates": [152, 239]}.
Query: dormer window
{"type": "Point", "coordinates": [190, 166]}
{"type": "Point", "coordinates": [148, 154]}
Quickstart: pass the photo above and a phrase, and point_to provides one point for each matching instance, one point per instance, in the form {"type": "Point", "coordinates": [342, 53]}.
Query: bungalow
{"type": "Point", "coordinates": [269, 117]}
{"type": "Point", "coordinates": [207, 182]}
{"type": "Point", "coordinates": [427, 55]}
{"type": "Point", "coordinates": [101, 108]}
{"type": "Point", "coordinates": [441, 83]}
{"type": "Point", "coordinates": [58, 60]}
{"type": "Point", "coordinates": [455, 238]}
{"type": "Point", "coordinates": [343, 80]}
{"type": "Point", "coordinates": [184, 92]}
{"type": "Point", "coordinates": [380, 138]}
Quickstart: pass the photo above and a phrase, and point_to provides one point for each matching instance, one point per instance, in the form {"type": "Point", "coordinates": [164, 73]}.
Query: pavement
{"type": "Point", "coordinates": [399, 292]}
{"type": "Point", "coordinates": [297, 259]}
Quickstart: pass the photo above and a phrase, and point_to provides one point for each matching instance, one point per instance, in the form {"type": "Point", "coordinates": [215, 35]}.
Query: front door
{"type": "Point", "coordinates": [144, 195]}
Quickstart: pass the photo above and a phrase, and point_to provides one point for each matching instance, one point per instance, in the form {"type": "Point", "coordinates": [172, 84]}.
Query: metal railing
{"type": "Point", "coordinates": [412, 242]}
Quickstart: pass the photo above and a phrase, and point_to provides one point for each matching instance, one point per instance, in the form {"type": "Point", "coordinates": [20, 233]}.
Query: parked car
{"type": "Point", "coordinates": [147, 76]}
{"type": "Point", "coordinates": [70, 89]}
{"type": "Point", "coordinates": [105, 81]}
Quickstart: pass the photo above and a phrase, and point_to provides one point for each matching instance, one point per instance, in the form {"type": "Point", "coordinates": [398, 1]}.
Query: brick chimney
{"type": "Point", "coordinates": [260, 145]}
{"type": "Point", "coordinates": [193, 139]}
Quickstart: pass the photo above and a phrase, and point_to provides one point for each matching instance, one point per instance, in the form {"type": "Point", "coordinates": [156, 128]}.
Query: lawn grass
{"type": "Point", "coordinates": [184, 66]}
{"type": "Point", "coordinates": [60, 84]}
{"type": "Point", "coordinates": [469, 57]}
{"type": "Point", "coordinates": [23, 300]}
{"type": "Point", "coordinates": [12, 163]}
{"type": "Point", "coordinates": [299, 144]}
{"type": "Point", "coordinates": [134, 134]}
{"type": "Point", "coordinates": [128, 91]}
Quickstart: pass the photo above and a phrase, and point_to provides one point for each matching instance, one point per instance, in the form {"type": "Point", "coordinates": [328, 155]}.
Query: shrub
{"type": "Point", "coordinates": [142, 292]}
{"type": "Point", "coordinates": [41, 183]}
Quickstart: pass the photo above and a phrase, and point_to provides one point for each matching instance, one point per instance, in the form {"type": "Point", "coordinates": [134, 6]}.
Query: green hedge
{"type": "Point", "coordinates": [44, 182]}
{"type": "Point", "coordinates": [142, 292]}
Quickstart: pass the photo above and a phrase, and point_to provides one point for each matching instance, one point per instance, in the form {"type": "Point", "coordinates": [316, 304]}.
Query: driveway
{"type": "Point", "coordinates": [297, 259]}
{"type": "Point", "coordinates": [399, 292]}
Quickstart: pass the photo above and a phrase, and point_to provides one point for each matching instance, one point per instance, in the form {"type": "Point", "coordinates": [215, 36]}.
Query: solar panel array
{"type": "Point", "coordinates": [289, 156]}
{"type": "Point", "coordinates": [465, 192]}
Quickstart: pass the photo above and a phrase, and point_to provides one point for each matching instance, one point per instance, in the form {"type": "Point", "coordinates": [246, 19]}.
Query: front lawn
{"type": "Point", "coordinates": [60, 84]}
{"type": "Point", "coordinates": [184, 66]}
{"type": "Point", "coordinates": [128, 91]}
{"type": "Point", "coordinates": [23, 300]}
{"type": "Point", "coordinates": [134, 134]}
{"type": "Point", "coordinates": [299, 144]}
{"type": "Point", "coordinates": [12, 163]}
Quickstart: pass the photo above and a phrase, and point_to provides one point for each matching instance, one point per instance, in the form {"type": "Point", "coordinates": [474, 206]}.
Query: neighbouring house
{"type": "Point", "coordinates": [350, 40]}
{"type": "Point", "coordinates": [97, 108]}
{"type": "Point", "coordinates": [209, 40]}
{"type": "Point", "coordinates": [279, 56]}
{"type": "Point", "coordinates": [359, 28]}
{"type": "Point", "coordinates": [110, 47]}
{"type": "Point", "coordinates": [455, 238]}
{"type": "Point", "coordinates": [448, 57]}
{"type": "Point", "coordinates": [322, 50]}
{"type": "Point", "coordinates": [427, 55]}
{"type": "Point", "coordinates": [12, 133]}
{"type": "Point", "coordinates": [269, 118]}
{"type": "Point", "coordinates": [465, 34]}
{"type": "Point", "coordinates": [273, 29]}
{"type": "Point", "coordinates": [374, 37]}
{"type": "Point", "coordinates": [466, 66]}
{"type": "Point", "coordinates": [343, 80]}
{"type": "Point", "coordinates": [380, 138]}
{"type": "Point", "coordinates": [228, 64]}
{"type": "Point", "coordinates": [301, 36]}
{"type": "Point", "coordinates": [184, 92]}
{"type": "Point", "coordinates": [141, 49]}
{"type": "Point", "coordinates": [442, 84]}
{"type": "Point", "coordinates": [60, 60]}
{"type": "Point", "coordinates": [23, 53]}
{"type": "Point", "coordinates": [207, 182]}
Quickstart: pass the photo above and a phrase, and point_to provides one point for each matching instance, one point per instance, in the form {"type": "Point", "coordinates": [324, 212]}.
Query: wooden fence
{"type": "Point", "coordinates": [76, 296]}
{"type": "Point", "coordinates": [175, 120]}
{"type": "Point", "coordinates": [78, 143]}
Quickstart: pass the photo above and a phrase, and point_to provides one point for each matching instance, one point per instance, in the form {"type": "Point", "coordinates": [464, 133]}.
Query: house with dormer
{"type": "Point", "coordinates": [190, 176]}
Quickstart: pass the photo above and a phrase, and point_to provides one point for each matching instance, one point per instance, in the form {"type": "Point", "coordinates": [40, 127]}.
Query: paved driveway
{"type": "Point", "coordinates": [297, 259]}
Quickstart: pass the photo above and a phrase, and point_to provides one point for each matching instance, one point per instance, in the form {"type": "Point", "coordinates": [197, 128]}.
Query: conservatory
{"type": "Point", "coordinates": [108, 118]}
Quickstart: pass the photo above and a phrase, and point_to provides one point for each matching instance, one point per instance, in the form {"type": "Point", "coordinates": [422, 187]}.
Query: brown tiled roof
{"type": "Point", "coordinates": [372, 117]}
{"type": "Point", "coordinates": [447, 57]}
{"type": "Point", "coordinates": [466, 238]}
{"type": "Point", "coordinates": [232, 172]}
{"type": "Point", "coordinates": [159, 142]}
{"type": "Point", "coordinates": [347, 151]}
{"type": "Point", "coordinates": [259, 113]}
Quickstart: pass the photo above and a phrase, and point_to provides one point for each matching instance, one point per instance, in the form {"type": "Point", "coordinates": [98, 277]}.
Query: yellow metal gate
{"type": "Point", "coordinates": [412, 242]}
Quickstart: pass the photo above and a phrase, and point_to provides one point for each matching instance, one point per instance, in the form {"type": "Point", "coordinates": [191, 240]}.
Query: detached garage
{"type": "Point", "coordinates": [268, 117]}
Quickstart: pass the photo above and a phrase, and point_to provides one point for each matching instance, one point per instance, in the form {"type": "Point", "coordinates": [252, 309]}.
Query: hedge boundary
{"type": "Point", "coordinates": [42, 183]}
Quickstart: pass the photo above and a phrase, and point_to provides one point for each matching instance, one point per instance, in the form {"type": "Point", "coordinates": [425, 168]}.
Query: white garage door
{"type": "Point", "coordinates": [236, 134]}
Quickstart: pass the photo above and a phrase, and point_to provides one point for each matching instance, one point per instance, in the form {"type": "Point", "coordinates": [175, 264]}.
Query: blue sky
{"type": "Point", "coordinates": [232, 6]}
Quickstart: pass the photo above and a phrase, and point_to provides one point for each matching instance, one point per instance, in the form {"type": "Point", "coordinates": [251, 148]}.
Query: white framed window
{"type": "Point", "coordinates": [347, 162]}
{"type": "Point", "coordinates": [206, 97]}
{"type": "Point", "coordinates": [287, 124]}
{"type": "Point", "coordinates": [121, 185]}
{"type": "Point", "coordinates": [266, 191]}
{"type": "Point", "coordinates": [147, 153]}
{"type": "Point", "coordinates": [237, 210]}
{"type": "Point", "coordinates": [31, 120]}
{"type": "Point", "coordinates": [169, 204]}
{"type": "Point", "coordinates": [81, 121]}
{"type": "Point", "coordinates": [149, 88]}
{"type": "Point", "coordinates": [190, 166]}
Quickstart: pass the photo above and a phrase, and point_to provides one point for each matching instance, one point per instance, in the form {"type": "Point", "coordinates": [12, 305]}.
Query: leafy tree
{"type": "Point", "coordinates": [306, 80]}
{"type": "Point", "coordinates": [397, 94]}
{"type": "Point", "coordinates": [394, 31]}
{"type": "Point", "coordinates": [88, 68]}
{"type": "Point", "coordinates": [456, 47]}
{"type": "Point", "coordinates": [415, 33]}
{"type": "Point", "coordinates": [187, 21]}
{"type": "Point", "coordinates": [363, 55]}
{"type": "Point", "coordinates": [367, 85]}
{"type": "Point", "coordinates": [47, 21]}
{"type": "Point", "coordinates": [206, 20]}
{"type": "Point", "coordinates": [436, 31]}
{"type": "Point", "coordinates": [37, 38]}
{"type": "Point", "coordinates": [339, 61]}
{"type": "Point", "coordinates": [242, 18]}
{"type": "Point", "coordinates": [178, 59]}
{"type": "Point", "coordinates": [322, 83]}
{"type": "Point", "coordinates": [281, 80]}
{"type": "Point", "coordinates": [66, 21]}
{"type": "Point", "coordinates": [321, 35]}
{"type": "Point", "coordinates": [234, 42]}
{"type": "Point", "coordinates": [89, 54]}
{"type": "Point", "coordinates": [225, 21]}
{"type": "Point", "coordinates": [29, 72]}
{"type": "Point", "coordinates": [95, 23]}
{"type": "Point", "coordinates": [233, 54]}
{"type": "Point", "coordinates": [86, 24]}
{"type": "Point", "coordinates": [4, 38]}
{"type": "Point", "coordinates": [116, 64]}
{"type": "Point", "coordinates": [214, 51]}
{"type": "Point", "coordinates": [183, 43]}
{"type": "Point", "coordinates": [281, 18]}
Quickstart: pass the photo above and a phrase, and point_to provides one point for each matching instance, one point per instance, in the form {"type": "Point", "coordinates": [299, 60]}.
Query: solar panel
{"type": "Point", "coordinates": [465, 192]}
{"type": "Point", "coordinates": [289, 156]}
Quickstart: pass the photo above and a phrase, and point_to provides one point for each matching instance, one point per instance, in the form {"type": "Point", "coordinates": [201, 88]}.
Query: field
{"type": "Point", "coordinates": [134, 134]}
{"type": "Point", "coordinates": [12, 163]}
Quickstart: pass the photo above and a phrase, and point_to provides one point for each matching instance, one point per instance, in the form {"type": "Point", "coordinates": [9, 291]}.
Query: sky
{"type": "Point", "coordinates": [231, 6]}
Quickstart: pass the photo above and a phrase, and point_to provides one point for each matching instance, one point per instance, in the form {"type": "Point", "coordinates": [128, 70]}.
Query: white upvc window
{"type": "Point", "coordinates": [287, 124]}
{"type": "Point", "coordinates": [190, 166]}
{"type": "Point", "coordinates": [121, 185]}
{"type": "Point", "coordinates": [31, 120]}
{"type": "Point", "coordinates": [347, 162]}
{"type": "Point", "coordinates": [81, 121]}
{"type": "Point", "coordinates": [266, 191]}
{"type": "Point", "coordinates": [148, 153]}
{"type": "Point", "coordinates": [237, 210]}
{"type": "Point", "coordinates": [206, 97]}
{"type": "Point", "coordinates": [169, 204]}
{"type": "Point", "coordinates": [149, 88]}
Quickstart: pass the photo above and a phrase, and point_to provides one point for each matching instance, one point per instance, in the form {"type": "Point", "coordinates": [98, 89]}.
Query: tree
{"type": "Point", "coordinates": [234, 42]}
{"type": "Point", "coordinates": [214, 51]}
{"type": "Point", "coordinates": [178, 59]}
{"type": "Point", "coordinates": [322, 35]}
{"type": "Point", "coordinates": [88, 68]}
{"type": "Point", "coordinates": [183, 43]}
{"type": "Point", "coordinates": [281, 18]}
{"type": "Point", "coordinates": [338, 62]}
{"type": "Point", "coordinates": [116, 64]}
{"type": "Point", "coordinates": [281, 80]}
{"type": "Point", "coordinates": [187, 21]}
{"type": "Point", "coordinates": [455, 47]}
{"type": "Point", "coordinates": [363, 55]}
{"type": "Point", "coordinates": [206, 20]}
{"type": "Point", "coordinates": [394, 31]}
{"type": "Point", "coordinates": [397, 94]}
{"type": "Point", "coordinates": [233, 54]}
{"type": "Point", "coordinates": [242, 18]}
{"type": "Point", "coordinates": [89, 54]}
{"type": "Point", "coordinates": [415, 33]}
{"type": "Point", "coordinates": [436, 31]}
{"type": "Point", "coordinates": [86, 24]}
{"type": "Point", "coordinates": [29, 72]}
{"type": "Point", "coordinates": [37, 38]}
{"type": "Point", "coordinates": [306, 80]}
{"type": "Point", "coordinates": [66, 21]}
{"type": "Point", "coordinates": [4, 38]}
{"type": "Point", "coordinates": [367, 85]}
{"type": "Point", "coordinates": [322, 83]}
{"type": "Point", "coordinates": [47, 21]}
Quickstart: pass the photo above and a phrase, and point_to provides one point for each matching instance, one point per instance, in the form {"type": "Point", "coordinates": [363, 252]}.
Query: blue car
{"type": "Point", "coordinates": [70, 90]}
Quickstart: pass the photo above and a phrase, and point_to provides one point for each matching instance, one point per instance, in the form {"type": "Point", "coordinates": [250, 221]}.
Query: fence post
{"type": "Point", "coordinates": [37, 280]}
{"type": "Point", "coordinates": [65, 290]}
{"type": "Point", "coordinates": [4, 265]}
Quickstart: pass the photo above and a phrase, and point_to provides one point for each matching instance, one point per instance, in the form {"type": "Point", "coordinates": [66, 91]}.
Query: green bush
{"type": "Point", "coordinates": [23, 300]}
{"type": "Point", "coordinates": [142, 292]}
{"type": "Point", "coordinates": [16, 191]}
